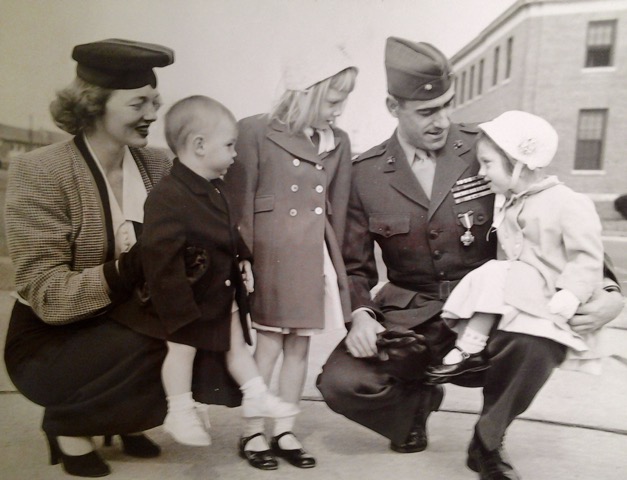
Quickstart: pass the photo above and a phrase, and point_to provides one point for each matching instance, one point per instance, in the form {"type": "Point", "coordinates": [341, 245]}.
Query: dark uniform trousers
{"type": "Point", "coordinates": [421, 240]}
{"type": "Point", "coordinates": [361, 390]}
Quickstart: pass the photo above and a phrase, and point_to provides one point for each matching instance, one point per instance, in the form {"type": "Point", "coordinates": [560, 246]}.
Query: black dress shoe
{"type": "Point", "coordinates": [139, 446]}
{"type": "Point", "coordinates": [475, 362]}
{"type": "Point", "coordinates": [417, 440]}
{"type": "Point", "coordinates": [490, 464]}
{"type": "Point", "coordinates": [88, 465]}
{"type": "Point", "coordinates": [263, 460]}
{"type": "Point", "coordinates": [297, 457]}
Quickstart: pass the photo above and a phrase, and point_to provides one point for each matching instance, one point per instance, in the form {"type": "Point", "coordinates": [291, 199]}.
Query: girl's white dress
{"type": "Point", "coordinates": [549, 238]}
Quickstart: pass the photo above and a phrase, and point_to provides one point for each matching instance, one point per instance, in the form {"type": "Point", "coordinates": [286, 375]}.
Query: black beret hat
{"type": "Point", "coordinates": [416, 71]}
{"type": "Point", "coordinates": [120, 64]}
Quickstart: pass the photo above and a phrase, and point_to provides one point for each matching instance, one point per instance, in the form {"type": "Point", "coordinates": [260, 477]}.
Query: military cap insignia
{"type": "Point", "coordinates": [428, 86]}
{"type": "Point", "coordinates": [470, 188]}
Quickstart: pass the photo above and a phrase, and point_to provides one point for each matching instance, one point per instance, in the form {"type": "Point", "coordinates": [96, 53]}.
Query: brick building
{"type": "Point", "coordinates": [15, 140]}
{"type": "Point", "coordinates": [565, 60]}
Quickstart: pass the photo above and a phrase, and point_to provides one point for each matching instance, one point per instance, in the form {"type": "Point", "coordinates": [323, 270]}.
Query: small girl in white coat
{"type": "Point", "coordinates": [290, 184]}
{"type": "Point", "coordinates": [550, 254]}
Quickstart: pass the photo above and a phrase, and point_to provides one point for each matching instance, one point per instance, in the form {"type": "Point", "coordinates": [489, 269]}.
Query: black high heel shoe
{"type": "Point", "coordinates": [88, 465]}
{"type": "Point", "coordinates": [297, 457]}
{"type": "Point", "coordinates": [139, 446]}
{"type": "Point", "coordinates": [263, 460]}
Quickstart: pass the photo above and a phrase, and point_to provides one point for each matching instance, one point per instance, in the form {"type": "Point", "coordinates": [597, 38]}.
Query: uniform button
{"type": "Point", "coordinates": [318, 210]}
{"type": "Point", "coordinates": [437, 254]}
{"type": "Point", "coordinates": [433, 234]}
{"type": "Point", "coordinates": [294, 188]}
{"type": "Point", "coordinates": [293, 212]}
{"type": "Point", "coordinates": [227, 283]}
{"type": "Point", "coordinates": [319, 167]}
{"type": "Point", "coordinates": [319, 189]}
{"type": "Point", "coordinates": [296, 162]}
{"type": "Point", "coordinates": [441, 274]}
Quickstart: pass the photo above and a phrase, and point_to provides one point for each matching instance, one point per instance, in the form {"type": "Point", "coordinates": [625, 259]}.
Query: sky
{"type": "Point", "coordinates": [230, 50]}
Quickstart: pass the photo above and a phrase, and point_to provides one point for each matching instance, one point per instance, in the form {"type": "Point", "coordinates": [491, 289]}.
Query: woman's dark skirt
{"type": "Point", "coordinates": [94, 376]}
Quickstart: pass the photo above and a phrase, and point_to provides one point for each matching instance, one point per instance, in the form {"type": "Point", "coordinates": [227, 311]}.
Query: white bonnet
{"type": "Point", "coordinates": [311, 65]}
{"type": "Point", "coordinates": [525, 137]}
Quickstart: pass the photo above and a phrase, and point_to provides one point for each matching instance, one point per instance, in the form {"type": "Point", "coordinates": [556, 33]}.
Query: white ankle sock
{"type": "Point", "coordinates": [254, 425]}
{"type": "Point", "coordinates": [472, 341]}
{"type": "Point", "coordinates": [255, 387]}
{"type": "Point", "coordinates": [286, 424]}
{"type": "Point", "coordinates": [179, 402]}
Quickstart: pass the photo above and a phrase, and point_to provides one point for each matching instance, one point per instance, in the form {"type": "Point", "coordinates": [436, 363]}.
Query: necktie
{"type": "Point", "coordinates": [423, 167]}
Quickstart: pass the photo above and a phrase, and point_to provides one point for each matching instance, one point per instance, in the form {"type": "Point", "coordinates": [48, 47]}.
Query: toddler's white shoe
{"type": "Point", "coordinates": [268, 405]}
{"type": "Point", "coordinates": [186, 427]}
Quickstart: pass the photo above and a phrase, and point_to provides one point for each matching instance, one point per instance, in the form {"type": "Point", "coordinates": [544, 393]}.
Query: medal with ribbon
{"type": "Point", "coordinates": [466, 220]}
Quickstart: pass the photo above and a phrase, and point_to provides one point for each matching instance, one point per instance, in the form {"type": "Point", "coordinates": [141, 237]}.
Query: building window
{"type": "Point", "coordinates": [480, 78]}
{"type": "Point", "coordinates": [508, 60]}
{"type": "Point", "coordinates": [495, 69]}
{"type": "Point", "coordinates": [463, 88]}
{"type": "Point", "coordinates": [471, 82]}
{"type": "Point", "coordinates": [590, 137]}
{"type": "Point", "coordinates": [600, 44]}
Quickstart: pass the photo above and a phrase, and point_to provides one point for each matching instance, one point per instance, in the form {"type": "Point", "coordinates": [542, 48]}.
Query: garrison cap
{"type": "Point", "coordinates": [120, 64]}
{"type": "Point", "coordinates": [416, 71]}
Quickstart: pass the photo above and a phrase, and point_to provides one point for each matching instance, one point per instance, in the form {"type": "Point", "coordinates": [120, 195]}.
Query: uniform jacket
{"type": "Point", "coordinates": [289, 200]}
{"type": "Point", "coordinates": [190, 252]}
{"type": "Point", "coordinates": [562, 244]}
{"type": "Point", "coordinates": [59, 230]}
{"type": "Point", "coordinates": [419, 237]}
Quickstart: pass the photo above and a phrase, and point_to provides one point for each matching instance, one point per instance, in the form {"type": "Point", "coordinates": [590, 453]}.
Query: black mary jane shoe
{"type": "Point", "coordinates": [470, 363]}
{"type": "Point", "coordinates": [88, 465]}
{"type": "Point", "coordinates": [263, 460]}
{"type": "Point", "coordinates": [297, 457]}
{"type": "Point", "coordinates": [139, 446]}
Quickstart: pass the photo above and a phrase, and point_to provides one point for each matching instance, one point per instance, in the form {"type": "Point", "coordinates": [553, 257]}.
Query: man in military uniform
{"type": "Point", "coordinates": [418, 196]}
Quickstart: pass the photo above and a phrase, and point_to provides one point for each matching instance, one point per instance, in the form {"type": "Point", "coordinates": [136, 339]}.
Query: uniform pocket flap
{"type": "Point", "coordinates": [388, 225]}
{"type": "Point", "coordinates": [264, 203]}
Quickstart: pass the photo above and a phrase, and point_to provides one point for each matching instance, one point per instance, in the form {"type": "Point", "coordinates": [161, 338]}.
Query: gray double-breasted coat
{"type": "Point", "coordinates": [288, 201]}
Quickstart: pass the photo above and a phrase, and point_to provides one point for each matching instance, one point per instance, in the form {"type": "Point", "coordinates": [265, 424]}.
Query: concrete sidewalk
{"type": "Point", "coordinates": [575, 429]}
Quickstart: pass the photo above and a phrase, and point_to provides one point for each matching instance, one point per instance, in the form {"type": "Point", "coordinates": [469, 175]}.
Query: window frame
{"type": "Point", "coordinates": [582, 158]}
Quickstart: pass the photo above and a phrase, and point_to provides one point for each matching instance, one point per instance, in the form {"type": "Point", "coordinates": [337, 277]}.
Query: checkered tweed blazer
{"type": "Point", "coordinates": [56, 227]}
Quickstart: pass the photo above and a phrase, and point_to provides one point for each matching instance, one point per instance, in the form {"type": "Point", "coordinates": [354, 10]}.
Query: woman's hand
{"type": "Point", "coordinates": [247, 275]}
{"type": "Point", "coordinates": [602, 308]}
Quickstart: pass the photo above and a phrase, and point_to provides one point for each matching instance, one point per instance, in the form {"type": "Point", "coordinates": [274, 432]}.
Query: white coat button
{"type": "Point", "coordinates": [319, 189]}
{"type": "Point", "coordinates": [296, 162]}
{"type": "Point", "coordinates": [318, 210]}
{"type": "Point", "coordinates": [319, 167]}
{"type": "Point", "coordinates": [227, 283]}
{"type": "Point", "coordinates": [293, 212]}
{"type": "Point", "coordinates": [294, 188]}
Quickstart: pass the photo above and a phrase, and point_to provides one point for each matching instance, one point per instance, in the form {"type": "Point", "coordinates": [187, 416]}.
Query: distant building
{"type": "Point", "coordinates": [565, 60]}
{"type": "Point", "coordinates": [15, 140]}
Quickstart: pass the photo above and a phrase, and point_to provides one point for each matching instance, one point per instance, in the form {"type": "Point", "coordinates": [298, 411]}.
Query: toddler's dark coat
{"type": "Point", "coordinates": [191, 252]}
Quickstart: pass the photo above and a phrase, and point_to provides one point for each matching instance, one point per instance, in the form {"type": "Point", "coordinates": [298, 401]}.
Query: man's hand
{"type": "Point", "coordinates": [602, 308]}
{"type": "Point", "coordinates": [361, 340]}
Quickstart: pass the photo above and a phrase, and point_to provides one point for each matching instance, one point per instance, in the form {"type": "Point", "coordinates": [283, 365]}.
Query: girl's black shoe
{"type": "Point", "coordinates": [88, 465]}
{"type": "Point", "coordinates": [297, 457]}
{"type": "Point", "coordinates": [471, 363]}
{"type": "Point", "coordinates": [263, 460]}
{"type": "Point", "coordinates": [139, 446]}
